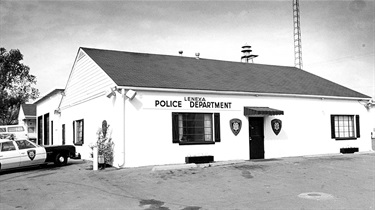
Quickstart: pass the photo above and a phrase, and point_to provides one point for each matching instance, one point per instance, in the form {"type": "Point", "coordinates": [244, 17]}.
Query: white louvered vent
{"type": "Point", "coordinates": [80, 55]}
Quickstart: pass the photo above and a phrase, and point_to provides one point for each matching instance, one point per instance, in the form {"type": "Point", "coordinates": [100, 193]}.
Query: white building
{"type": "Point", "coordinates": [27, 118]}
{"type": "Point", "coordinates": [48, 126]}
{"type": "Point", "coordinates": [162, 109]}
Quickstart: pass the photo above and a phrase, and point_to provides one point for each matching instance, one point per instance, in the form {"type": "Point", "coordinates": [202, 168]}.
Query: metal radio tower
{"type": "Point", "coordinates": [297, 36]}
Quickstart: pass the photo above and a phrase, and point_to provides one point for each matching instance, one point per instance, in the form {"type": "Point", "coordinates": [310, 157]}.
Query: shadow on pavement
{"type": "Point", "coordinates": [43, 167]}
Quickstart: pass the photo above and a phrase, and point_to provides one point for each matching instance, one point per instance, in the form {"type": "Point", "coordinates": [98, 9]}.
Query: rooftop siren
{"type": "Point", "coordinates": [247, 56]}
{"type": "Point", "coordinates": [180, 52]}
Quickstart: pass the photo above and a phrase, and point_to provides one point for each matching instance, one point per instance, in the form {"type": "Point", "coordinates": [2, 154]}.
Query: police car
{"type": "Point", "coordinates": [20, 153]}
{"type": "Point", "coordinates": [16, 153]}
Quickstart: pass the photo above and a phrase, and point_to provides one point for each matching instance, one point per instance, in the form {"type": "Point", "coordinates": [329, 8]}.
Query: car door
{"type": "Point", "coordinates": [9, 155]}
{"type": "Point", "coordinates": [30, 154]}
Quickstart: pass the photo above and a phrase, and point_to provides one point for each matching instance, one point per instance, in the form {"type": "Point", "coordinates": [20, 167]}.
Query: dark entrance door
{"type": "Point", "coordinates": [256, 137]}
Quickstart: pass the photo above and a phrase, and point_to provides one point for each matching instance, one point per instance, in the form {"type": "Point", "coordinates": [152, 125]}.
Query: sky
{"type": "Point", "coordinates": [337, 35]}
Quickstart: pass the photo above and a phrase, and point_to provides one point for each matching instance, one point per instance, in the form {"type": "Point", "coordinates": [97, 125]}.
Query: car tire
{"type": "Point", "coordinates": [61, 159]}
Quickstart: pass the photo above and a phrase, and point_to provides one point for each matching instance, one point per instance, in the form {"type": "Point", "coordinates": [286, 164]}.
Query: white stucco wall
{"type": "Point", "coordinates": [93, 112]}
{"type": "Point", "coordinates": [306, 128]}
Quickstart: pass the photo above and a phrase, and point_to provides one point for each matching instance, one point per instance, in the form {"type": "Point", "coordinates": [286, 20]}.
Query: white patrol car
{"type": "Point", "coordinates": [16, 153]}
{"type": "Point", "coordinates": [20, 153]}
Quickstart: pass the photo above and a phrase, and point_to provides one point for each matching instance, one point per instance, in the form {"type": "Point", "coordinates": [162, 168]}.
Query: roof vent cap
{"type": "Point", "coordinates": [197, 55]}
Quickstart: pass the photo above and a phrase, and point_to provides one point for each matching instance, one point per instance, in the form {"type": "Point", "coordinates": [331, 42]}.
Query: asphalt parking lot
{"type": "Point", "coordinates": [341, 181]}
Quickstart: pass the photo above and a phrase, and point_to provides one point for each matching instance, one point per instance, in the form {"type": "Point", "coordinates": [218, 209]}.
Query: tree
{"type": "Point", "coordinates": [15, 85]}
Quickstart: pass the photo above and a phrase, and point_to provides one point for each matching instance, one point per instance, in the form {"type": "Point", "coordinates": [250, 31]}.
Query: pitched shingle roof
{"type": "Point", "coordinates": [164, 71]}
{"type": "Point", "coordinates": [29, 109]}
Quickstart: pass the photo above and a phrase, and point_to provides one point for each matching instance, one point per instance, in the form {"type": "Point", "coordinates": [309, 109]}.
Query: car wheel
{"type": "Point", "coordinates": [61, 159]}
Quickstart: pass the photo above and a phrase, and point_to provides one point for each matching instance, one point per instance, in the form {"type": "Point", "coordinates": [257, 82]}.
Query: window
{"type": "Point", "coordinates": [7, 146]}
{"type": "Point", "coordinates": [31, 129]}
{"type": "Point", "coordinates": [63, 134]}
{"type": "Point", "coordinates": [345, 127]}
{"type": "Point", "coordinates": [51, 132]}
{"type": "Point", "coordinates": [196, 128]}
{"type": "Point", "coordinates": [23, 144]}
{"type": "Point", "coordinates": [78, 132]}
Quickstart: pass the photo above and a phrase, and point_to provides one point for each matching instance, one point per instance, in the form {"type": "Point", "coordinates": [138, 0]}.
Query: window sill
{"type": "Point", "coordinates": [350, 138]}
{"type": "Point", "coordinates": [196, 143]}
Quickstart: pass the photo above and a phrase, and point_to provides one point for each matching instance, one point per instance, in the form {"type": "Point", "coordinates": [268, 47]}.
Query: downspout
{"type": "Point", "coordinates": [123, 126]}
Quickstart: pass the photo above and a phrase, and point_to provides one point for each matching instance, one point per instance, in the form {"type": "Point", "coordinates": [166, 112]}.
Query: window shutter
{"type": "Point", "coordinates": [332, 126]}
{"type": "Point", "coordinates": [83, 130]}
{"type": "Point", "coordinates": [74, 132]}
{"type": "Point", "coordinates": [175, 128]}
{"type": "Point", "coordinates": [217, 127]}
{"type": "Point", "coordinates": [357, 126]}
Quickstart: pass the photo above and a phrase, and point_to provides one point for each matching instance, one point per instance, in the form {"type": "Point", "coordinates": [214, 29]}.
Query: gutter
{"type": "Point", "coordinates": [123, 125]}
{"type": "Point", "coordinates": [173, 90]}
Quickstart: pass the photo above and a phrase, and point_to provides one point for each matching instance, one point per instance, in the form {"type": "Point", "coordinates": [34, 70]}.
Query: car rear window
{"type": "Point", "coordinates": [3, 130]}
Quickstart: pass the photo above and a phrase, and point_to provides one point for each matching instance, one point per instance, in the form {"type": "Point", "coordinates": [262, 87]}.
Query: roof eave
{"type": "Point", "coordinates": [174, 90]}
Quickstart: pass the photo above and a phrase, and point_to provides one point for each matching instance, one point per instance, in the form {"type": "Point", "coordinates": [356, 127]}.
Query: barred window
{"type": "Point", "coordinates": [345, 127]}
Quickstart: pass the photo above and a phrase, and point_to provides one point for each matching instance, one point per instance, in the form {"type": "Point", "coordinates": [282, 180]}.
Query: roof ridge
{"type": "Point", "coordinates": [179, 56]}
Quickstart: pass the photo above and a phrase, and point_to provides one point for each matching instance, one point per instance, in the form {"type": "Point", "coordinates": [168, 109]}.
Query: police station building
{"type": "Point", "coordinates": [172, 109]}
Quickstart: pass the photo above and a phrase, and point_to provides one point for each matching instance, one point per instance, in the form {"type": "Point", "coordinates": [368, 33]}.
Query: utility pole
{"type": "Point", "coordinates": [297, 36]}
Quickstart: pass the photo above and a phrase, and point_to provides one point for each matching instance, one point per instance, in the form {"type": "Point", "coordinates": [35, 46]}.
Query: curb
{"type": "Point", "coordinates": [193, 165]}
{"type": "Point", "coordinates": [223, 163]}
{"type": "Point", "coordinates": [174, 167]}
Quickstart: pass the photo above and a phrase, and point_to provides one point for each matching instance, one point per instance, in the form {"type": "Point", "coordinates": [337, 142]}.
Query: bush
{"type": "Point", "coordinates": [104, 144]}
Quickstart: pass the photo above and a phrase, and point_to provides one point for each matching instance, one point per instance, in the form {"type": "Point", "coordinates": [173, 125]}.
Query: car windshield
{"type": "Point", "coordinates": [24, 144]}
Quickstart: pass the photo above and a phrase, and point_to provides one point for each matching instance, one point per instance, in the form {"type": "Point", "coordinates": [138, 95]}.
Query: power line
{"type": "Point", "coordinates": [352, 57]}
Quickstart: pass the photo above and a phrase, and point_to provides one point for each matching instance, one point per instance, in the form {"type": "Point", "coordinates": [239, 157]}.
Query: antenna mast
{"type": "Point", "coordinates": [297, 36]}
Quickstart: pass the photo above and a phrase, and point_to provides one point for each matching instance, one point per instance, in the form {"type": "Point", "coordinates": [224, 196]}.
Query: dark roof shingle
{"type": "Point", "coordinates": [29, 109]}
{"type": "Point", "coordinates": [177, 72]}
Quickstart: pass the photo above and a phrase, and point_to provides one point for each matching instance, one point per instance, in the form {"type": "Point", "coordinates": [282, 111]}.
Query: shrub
{"type": "Point", "coordinates": [104, 144]}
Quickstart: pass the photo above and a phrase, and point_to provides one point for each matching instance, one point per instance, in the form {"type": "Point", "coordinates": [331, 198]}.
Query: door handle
{"type": "Point", "coordinates": [22, 153]}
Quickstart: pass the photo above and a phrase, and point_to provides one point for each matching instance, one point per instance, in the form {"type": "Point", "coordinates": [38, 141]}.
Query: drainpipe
{"type": "Point", "coordinates": [123, 126]}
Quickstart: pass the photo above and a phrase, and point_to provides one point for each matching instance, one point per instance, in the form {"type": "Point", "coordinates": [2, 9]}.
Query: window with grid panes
{"type": "Point", "coordinates": [196, 128]}
{"type": "Point", "coordinates": [78, 132]}
{"type": "Point", "coordinates": [345, 127]}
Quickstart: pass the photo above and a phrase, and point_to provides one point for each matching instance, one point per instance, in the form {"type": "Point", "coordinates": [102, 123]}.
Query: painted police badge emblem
{"type": "Point", "coordinates": [235, 126]}
{"type": "Point", "coordinates": [276, 126]}
{"type": "Point", "coordinates": [31, 153]}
